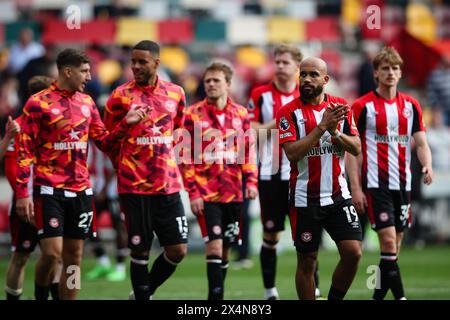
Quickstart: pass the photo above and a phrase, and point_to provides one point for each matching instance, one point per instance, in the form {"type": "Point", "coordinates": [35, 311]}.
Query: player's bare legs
{"type": "Point", "coordinates": [350, 253]}
{"type": "Point", "coordinates": [15, 274]}
{"type": "Point", "coordinates": [304, 277]}
{"type": "Point", "coordinates": [51, 249]}
{"type": "Point", "coordinates": [71, 256]}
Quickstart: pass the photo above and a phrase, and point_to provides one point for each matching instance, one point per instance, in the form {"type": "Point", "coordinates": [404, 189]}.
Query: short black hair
{"type": "Point", "coordinates": [148, 45]}
{"type": "Point", "coordinates": [71, 57]}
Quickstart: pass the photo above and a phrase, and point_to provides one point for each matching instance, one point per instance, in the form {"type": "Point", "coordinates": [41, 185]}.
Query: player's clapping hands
{"type": "Point", "coordinates": [12, 128]}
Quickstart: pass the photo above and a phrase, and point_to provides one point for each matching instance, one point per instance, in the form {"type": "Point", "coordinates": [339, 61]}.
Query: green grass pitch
{"type": "Point", "coordinates": [426, 275]}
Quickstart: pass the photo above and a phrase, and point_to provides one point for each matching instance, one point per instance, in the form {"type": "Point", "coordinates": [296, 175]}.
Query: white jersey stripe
{"type": "Point", "coordinates": [371, 145]}
{"type": "Point", "coordinates": [341, 179]}
{"type": "Point", "coordinates": [393, 163]}
{"type": "Point", "coordinates": [267, 107]}
{"type": "Point", "coordinates": [326, 160]}
{"type": "Point", "coordinates": [409, 106]}
{"type": "Point", "coordinates": [301, 186]}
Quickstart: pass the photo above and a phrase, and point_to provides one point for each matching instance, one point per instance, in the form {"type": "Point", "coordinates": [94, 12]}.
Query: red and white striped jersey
{"type": "Point", "coordinates": [386, 127]}
{"type": "Point", "coordinates": [318, 179]}
{"type": "Point", "coordinates": [265, 101]}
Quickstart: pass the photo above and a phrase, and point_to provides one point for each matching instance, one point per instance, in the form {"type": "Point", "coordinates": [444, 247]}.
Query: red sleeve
{"type": "Point", "coordinates": [286, 125]}
{"type": "Point", "coordinates": [113, 114]}
{"type": "Point", "coordinates": [103, 139]}
{"type": "Point", "coordinates": [249, 168]}
{"type": "Point", "coordinates": [253, 106]}
{"type": "Point", "coordinates": [356, 110]}
{"type": "Point", "coordinates": [179, 118]}
{"type": "Point", "coordinates": [11, 169]}
{"type": "Point", "coordinates": [187, 166]}
{"type": "Point", "coordinates": [31, 121]}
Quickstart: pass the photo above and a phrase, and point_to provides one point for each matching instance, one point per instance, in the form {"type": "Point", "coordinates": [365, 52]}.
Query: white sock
{"type": "Point", "coordinates": [272, 292]}
{"type": "Point", "coordinates": [104, 261]}
{"type": "Point", "coordinates": [317, 292]}
{"type": "Point", "coordinates": [120, 267]}
{"type": "Point", "coordinates": [13, 292]}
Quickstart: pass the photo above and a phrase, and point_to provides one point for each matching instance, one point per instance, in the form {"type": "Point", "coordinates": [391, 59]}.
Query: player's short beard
{"type": "Point", "coordinates": [311, 95]}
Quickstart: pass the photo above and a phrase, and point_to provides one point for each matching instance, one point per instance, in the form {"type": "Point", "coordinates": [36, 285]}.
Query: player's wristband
{"type": "Point", "coordinates": [337, 135]}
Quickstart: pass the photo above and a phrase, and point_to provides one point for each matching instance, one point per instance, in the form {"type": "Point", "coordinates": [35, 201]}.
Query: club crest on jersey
{"type": "Point", "coordinates": [54, 223]}
{"type": "Point", "coordinates": [56, 111]}
{"type": "Point", "coordinates": [86, 111]}
{"type": "Point", "coordinates": [383, 217]}
{"type": "Point", "coordinates": [170, 105]}
{"type": "Point", "coordinates": [284, 124]}
{"type": "Point", "coordinates": [407, 113]}
{"type": "Point", "coordinates": [237, 124]}
{"type": "Point", "coordinates": [306, 236]}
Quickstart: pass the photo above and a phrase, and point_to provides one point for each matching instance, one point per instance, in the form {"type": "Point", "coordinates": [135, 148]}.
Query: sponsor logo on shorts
{"type": "Point", "coordinates": [216, 230]}
{"type": "Point", "coordinates": [383, 217]}
{"type": "Point", "coordinates": [54, 223]}
{"type": "Point", "coordinates": [306, 236]}
{"type": "Point", "coordinates": [136, 240]}
{"type": "Point", "coordinates": [26, 244]}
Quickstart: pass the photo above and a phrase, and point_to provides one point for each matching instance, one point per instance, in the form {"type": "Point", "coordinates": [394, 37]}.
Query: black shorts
{"type": "Point", "coordinates": [221, 221]}
{"type": "Point", "coordinates": [161, 214]}
{"type": "Point", "coordinates": [62, 213]}
{"type": "Point", "coordinates": [274, 201]}
{"type": "Point", "coordinates": [339, 220]}
{"type": "Point", "coordinates": [23, 235]}
{"type": "Point", "coordinates": [388, 208]}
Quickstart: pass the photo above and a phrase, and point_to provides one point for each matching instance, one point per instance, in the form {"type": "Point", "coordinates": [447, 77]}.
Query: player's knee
{"type": "Point", "coordinates": [176, 254]}
{"type": "Point", "coordinates": [352, 255]}
{"type": "Point", "coordinates": [51, 257]}
{"type": "Point", "coordinates": [307, 263]}
{"type": "Point", "coordinates": [19, 260]}
{"type": "Point", "coordinates": [388, 245]}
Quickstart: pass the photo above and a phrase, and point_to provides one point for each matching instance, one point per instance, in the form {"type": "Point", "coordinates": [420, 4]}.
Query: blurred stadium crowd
{"type": "Point", "coordinates": [345, 33]}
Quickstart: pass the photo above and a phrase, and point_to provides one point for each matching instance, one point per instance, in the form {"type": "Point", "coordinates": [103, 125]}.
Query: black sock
{"type": "Point", "coordinates": [335, 294]}
{"type": "Point", "coordinates": [396, 282]}
{"type": "Point", "coordinates": [11, 296]}
{"type": "Point", "coordinates": [224, 266]}
{"type": "Point", "coordinates": [54, 290]}
{"type": "Point", "coordinates": [41, 293]}
{"type": "Point", "coordinates": [386, 267]}
{"type": "Point", "coordinates": [215, 277]}
{"type": "Point", "coordinates": [162, 269]}
{"type": "Point", "coordinates": [268, 258]}
{"type": "Point", "coordinates": [139, 277]}
{"type": "Point", "coordinates": [316, 275]}
{"type": "Point", "coordinates": [99, 251]}
{"type": "Point", "coordinates": [121, 255]}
